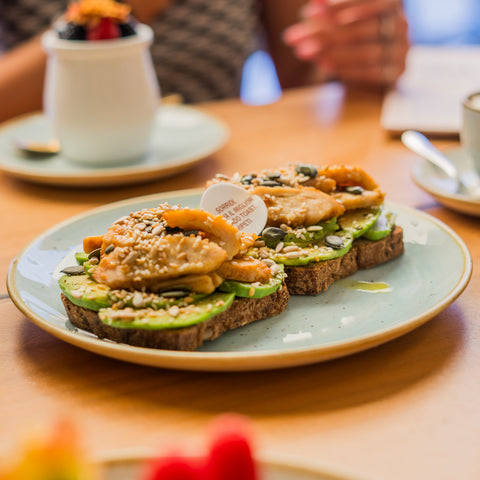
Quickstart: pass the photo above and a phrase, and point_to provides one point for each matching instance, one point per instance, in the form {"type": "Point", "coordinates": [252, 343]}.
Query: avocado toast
{"type": "Point", "coordinates": [324, 223]}
{"type": "Point", "coordinates": [170, 278]}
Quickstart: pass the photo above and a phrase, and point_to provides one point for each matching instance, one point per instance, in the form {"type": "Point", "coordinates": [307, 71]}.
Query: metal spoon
{"type": "Point", "coordinates": [420, 144]}
{"type": "Point", "coordinates": [37, 148]}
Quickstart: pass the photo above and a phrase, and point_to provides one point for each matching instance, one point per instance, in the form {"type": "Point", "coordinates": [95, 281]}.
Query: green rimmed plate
{"type": "Point", "coordinates": [345, 319]}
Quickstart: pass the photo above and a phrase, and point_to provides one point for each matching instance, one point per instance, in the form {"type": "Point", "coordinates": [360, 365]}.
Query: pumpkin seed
{"type": "Point", "coordinates": [355, 190]}
{"type": "Point", "coordinates": [270, 183]}
{"type": "Point", "coordinates": [74, 270]}
{"type": "Point", "coordinates": [273, 234]}
{"type": "Point", "coordinates": [175, 293]}
{"type": "Point", "coordinates": [94, 253]}
{"type": "Point", "coordinates": [307, 170]}
{"type": "Point", "coordinates": [334, 241]}
{"type": "Point", "coordinates": [187, 233]}
{"type": "Point", "coordinates": [247, 179]}
{"type": "Point", "coordinates": [109, 249]}
{"type": "Point", "coordinates": [274, 176]}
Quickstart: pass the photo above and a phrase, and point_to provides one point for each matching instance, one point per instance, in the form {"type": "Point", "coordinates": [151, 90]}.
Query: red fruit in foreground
{"type": "Point", "coordinates": [105, 30]}
{"type": "Point", "coordinates": [230, 456]}
{"type": "Point", "coordinates": [173, 468]}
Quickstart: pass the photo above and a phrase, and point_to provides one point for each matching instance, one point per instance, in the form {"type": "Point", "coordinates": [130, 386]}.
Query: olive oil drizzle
{"type": "Point", "coordinates": [371, 287]}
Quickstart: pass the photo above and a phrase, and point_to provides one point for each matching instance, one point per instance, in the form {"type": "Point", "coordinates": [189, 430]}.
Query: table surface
{"type": "Point", "coordinates": [406, 409]}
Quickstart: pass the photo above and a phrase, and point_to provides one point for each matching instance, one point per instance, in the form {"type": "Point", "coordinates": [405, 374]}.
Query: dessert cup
{"type": "Point", "coordinates": [101, 96]}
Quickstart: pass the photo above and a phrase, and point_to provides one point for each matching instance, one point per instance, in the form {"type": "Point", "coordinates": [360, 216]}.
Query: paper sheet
{"type": "Point", "coordinates": [429, 95]}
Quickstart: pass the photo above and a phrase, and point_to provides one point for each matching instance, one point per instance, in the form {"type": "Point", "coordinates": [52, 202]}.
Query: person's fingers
{"type": "Point", "coordinates": [348, 11]}
{"type": "Point", "coordinates": [309, 28]}
{"type": "Point", "coordinates": [379, 63]}
{"type": "Point", "coordinates": [311, 42]}
{"type": "Point", "coordinates": [323, 29]}
{"type": "Point", "coordinates": [368, 48]}
{"type": "Point", "coordinates": [384, 28]}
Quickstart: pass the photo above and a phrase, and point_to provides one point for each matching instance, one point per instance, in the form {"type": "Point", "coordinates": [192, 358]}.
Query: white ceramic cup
{"type": "Point", "coordinates": [470, 132]}
{"type": "Point", "coordinates": [101, 96]}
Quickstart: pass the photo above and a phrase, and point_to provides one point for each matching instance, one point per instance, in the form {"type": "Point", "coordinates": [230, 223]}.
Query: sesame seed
{"type": "Point", "coordinates": [174, 311]}
{"type": "Point", "coordinates": [137, 300]}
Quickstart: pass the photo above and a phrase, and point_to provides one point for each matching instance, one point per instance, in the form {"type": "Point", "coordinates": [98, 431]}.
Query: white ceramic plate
{"type": "Point", "coordinates": [129, 466]}
{"type": "Point", "coordinates": [430, 179]}
{"type": "Point", "coordinates": [343, 320]}
{"type": "Point", "coordinates": [183, 136]}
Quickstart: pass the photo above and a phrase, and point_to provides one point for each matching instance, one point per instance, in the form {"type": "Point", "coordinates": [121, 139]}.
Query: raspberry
{"type": "Point", "coordinates": [230, 456]}
{"type": "Point", "coordinates": [173, 467]}
{"type": "Point", "coordinates": [105, 30]}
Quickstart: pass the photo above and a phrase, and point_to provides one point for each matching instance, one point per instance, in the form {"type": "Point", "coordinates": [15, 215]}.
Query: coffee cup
{"type": "Point", "coordinates": [470, 131]}
{"type": "Point", "coordinates": [101, 97]}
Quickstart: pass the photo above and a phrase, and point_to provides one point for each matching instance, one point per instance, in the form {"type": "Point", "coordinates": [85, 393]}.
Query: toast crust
{"type": "Point", "coordinates": [242, 312]}
{"type": "Point", "coordinates": [316, 278]}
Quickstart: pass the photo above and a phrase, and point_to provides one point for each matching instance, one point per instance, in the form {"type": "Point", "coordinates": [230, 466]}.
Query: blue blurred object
{"type": "Point", "coordinates": [443, 22]}
{"type": "Point", "coordinates": [260, 85]}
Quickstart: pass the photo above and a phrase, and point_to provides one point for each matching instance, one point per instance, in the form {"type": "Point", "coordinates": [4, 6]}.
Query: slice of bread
{"type": "Point", "coordinates": [240, 313]}
{"type": "Point", "coordinates": [316, 278]}
{"type": "Point", "coordinates": [302, 280]}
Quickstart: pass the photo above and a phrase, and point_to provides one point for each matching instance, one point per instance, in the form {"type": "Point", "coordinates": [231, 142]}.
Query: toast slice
{"type": "Point", "coordinates": [317, 277]}
{"type": "Point", "coordinates": [242, 312]}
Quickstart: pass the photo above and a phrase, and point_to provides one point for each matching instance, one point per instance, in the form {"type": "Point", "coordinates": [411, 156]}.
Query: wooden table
{"type": "Point", "coordinates": [407, 409]}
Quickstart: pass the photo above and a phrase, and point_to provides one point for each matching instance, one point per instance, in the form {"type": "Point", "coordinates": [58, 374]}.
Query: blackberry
{"type": "Point", "coordinates": [72, 31]}
{"type": "Point", "coordinates": [126, 29]}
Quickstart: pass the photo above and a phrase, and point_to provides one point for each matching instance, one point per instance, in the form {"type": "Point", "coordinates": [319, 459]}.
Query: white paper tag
{"type": "Point", "coordinates": [245, 211]}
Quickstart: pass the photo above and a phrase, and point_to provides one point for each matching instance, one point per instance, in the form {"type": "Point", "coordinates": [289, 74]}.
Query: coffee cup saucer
{"type": "Point", "coordinates": [183, 136]}
{"type": "Point", "coordinates": [443, 189]}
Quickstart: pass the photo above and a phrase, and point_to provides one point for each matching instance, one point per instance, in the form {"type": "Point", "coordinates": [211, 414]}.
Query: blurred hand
{"type": "Point", "coordinates": [357, 41]}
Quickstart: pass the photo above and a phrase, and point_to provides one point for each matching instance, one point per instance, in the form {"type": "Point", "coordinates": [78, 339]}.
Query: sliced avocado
{"type": "Point", "coordinates": [157, 301]}
{"type": "Point", "coordinates": [81, 257]}
{"type": "Point", "coordinates": [85, 292]}
{"type": "Point", "coordinates": [357, 222]}
{"type": "Point", "coordinates": [90, 267]}
{"type": "Point", "coordinates": [310, 235]}
{"type": "Point", "coordinates": [316, 253]}
{"type": "Point", "coordinates": [174, 317]}
{"type": "Point", "coordinates": [253, 290]}
{"type": "Point", "coordinates": [381, 228]}
{"type": "Point", "coordinates": [351, 225]}
{"type": "Point", "coordinates": [301, 236]}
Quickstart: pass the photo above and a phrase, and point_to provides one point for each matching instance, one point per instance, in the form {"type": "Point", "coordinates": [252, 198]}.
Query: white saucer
{"type": "Point", "coordinates": [183, 137]}
{"type": "Point", "coordinates": [433, 181]}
